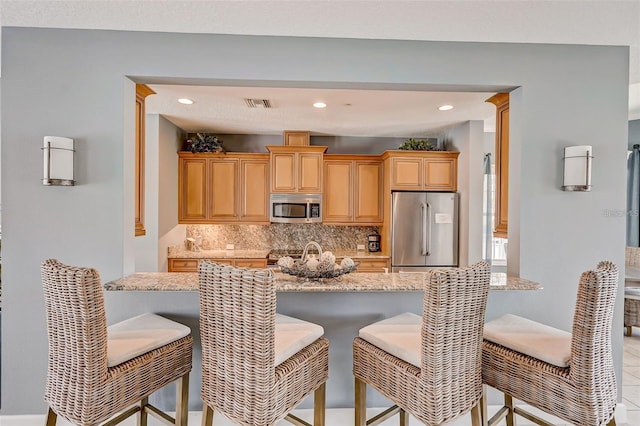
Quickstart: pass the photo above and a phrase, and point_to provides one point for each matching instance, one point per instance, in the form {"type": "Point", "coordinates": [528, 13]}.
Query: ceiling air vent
{"type": "Point", "coordinates": [258, 103]}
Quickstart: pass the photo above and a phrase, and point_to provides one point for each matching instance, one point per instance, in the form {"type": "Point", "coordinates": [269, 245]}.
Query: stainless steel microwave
{"type": "Point", "coordinates": [296, 208]}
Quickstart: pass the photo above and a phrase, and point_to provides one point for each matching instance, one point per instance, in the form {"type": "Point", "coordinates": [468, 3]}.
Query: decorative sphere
{"type": "Point", "coordinates": [327, 257]}
{"type": "Point", "coordinates": [347, 262]}
{"type": "Point", "coordinates": [286, 261]}
{"type": "Point", "coordinates": [312, 264]}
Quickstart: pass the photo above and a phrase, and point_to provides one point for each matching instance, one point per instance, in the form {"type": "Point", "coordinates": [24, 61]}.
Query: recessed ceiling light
{"type": "Point", "coordinates": [320, 105]}
{"type": "Point", "coordinates": [185, 101]}
{"type": "Point", "coordinates": [445, 107]}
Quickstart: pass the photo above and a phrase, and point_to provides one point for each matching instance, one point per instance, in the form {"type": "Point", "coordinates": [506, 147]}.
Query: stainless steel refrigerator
{"type": "Point", "coordinates": [424, 230]}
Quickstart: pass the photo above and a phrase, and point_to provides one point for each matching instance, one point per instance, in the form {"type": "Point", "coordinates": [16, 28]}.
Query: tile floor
{"type": "Point", "coordinates": [631, 377]}
{"type": "Point", "coordinates": [344, 417]}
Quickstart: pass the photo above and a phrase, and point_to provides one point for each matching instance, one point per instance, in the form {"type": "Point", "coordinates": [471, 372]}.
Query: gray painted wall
{"type": "Point", "coordinates": [468, 139]}
{"type": "Point", "coordinates": [568, 95]}
{"type": "Point", "coordinates": [634, 133]}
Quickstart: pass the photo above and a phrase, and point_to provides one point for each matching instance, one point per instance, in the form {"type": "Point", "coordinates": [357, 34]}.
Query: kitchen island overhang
{"type": "Point", "coordinates": [355, 282]}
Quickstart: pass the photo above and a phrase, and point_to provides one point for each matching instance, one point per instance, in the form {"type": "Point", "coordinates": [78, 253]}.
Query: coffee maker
{"type": "Point", "coordinates": [374, 242]}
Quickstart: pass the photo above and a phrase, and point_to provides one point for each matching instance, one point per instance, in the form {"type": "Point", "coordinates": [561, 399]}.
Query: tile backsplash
{"type": "Point", "coordinates": [279, 236]}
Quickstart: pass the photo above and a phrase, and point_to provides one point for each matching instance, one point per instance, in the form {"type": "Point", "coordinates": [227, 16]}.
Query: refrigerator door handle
{"type": "Point", "coordinates": [428, 237]}
{"type": "Point", "coordinates": [424, 249]}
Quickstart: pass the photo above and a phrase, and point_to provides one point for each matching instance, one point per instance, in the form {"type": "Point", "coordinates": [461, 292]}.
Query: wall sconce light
{"type": "Point", "coordinates": [59, 156]}
{"type": "Point", "coordinates": [577, 168]}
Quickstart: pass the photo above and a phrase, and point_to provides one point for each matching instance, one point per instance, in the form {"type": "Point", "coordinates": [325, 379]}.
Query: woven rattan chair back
{"type": "Point", "coordinates": [583, 394]}
{"type": "Point", "coordinates": [237, 325]}
{"type": "Point", "coordinates": [591, 367]}
{"type": "Point", "coordinates": [77, 332]}
{"type": "Point", "coordinates": [237, 328]}
{"type": "Point", "coordinates": [80, 386]}
{"type": "Point", "coordinates": [453, 316]}
{"type": "Point", "coordinates": [448, 383]}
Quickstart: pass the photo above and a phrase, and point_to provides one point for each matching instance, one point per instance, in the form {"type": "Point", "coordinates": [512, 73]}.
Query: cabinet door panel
{"type": "Point", "coordinates": [255, 191]}
{"type": "Point", "coordinates": [440, 175]}
{"type": "Point", "coordinates": [502, 175]}
{"type": "Point", "coordinates": [309, 173]}
{"type": "Point", "coordinates": [251, 263]}
{"type": "Point", "coordinates": [368, 190]}
{"type": "Point", "coordinates": [192, 192]}
{"type": "Point", "coordinates": [406, 173]}
{"type": "Point", "coordinates": [337, 205]}
{"type": "Point", "coordinates": [283, 172]}
{"type": "Point", "coordinates": [223, 186]}
{"type": "Point", "coordinates": [183, 265]}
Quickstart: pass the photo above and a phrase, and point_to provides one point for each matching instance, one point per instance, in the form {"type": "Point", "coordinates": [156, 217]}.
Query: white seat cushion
{"type": "Point", "coordinates": [531, 338]}
{"type": "Point", "coordinates": [293, 335]}
{"type": "Point", "coordinates": [139, 335]}
{"type": "Point", "coordinates": [400, 336]}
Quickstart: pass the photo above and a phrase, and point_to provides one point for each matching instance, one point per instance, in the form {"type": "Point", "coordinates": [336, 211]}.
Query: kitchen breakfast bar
{"type": "Point", "coordinates": [341, 306]}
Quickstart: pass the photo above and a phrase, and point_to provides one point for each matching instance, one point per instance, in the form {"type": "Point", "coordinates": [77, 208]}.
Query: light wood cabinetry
{"type": "Point", "coordinates": [366, 264]}
{"type": "Point", "coordinates": [422, 170]}
{"type": "Point", "coordinates": [191, 265]}
{"type": "Point", "coordinates": [296, 169]}
{"type": "Point", "coordinates": [223, 188]}
{"type": "Point", "coordinates": [352, 190]}
{"type": "Point", "coordinates": [222, 183]}
{"type": "Point", "coordinates": [142, 91]}
{"type": "Point", "coordinates": [254, 197]}
{"type": "Point", "coordinates": [373, 265]}
{"type": "Point", "coordinates": [501, 160]}
{"type": "Point", "coordinates": [297, 137]}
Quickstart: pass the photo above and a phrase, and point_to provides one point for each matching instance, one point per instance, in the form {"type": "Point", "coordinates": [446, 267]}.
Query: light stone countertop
{"type": "Point", "coordinates": [355, 282]}
{"type": "Point", "coordinates": [179, 252]}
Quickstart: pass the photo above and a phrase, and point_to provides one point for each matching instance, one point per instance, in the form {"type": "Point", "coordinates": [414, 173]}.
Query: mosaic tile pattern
{"type": "Point", "coordinates": [279, 236]}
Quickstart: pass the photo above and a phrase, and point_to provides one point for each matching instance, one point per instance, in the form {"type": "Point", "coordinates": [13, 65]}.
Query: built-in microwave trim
{"type": "Point", "coordinates": [313, 207]}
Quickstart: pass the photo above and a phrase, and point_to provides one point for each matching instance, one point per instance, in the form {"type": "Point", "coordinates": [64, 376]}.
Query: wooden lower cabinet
{"type": "Point", "coordinates": [370, 265]}
{"type": "Point", "coordinates": [183, 265]}
{"type": "Point", "coordinates": [191, 265]}
{"type": "Point", "coordinates": [250, 263]}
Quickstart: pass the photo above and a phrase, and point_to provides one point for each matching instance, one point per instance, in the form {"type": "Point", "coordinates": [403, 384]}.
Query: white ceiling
{"type": "Point", "coordinates": [605, 22]}
{"type": "Point", "coordinates": [348, 112]}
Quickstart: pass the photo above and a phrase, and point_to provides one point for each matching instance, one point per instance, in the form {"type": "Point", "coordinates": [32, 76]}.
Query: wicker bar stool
{"type": "Point", "coordinates": [256, 365]}
{"type": "Point", "coordinates": [96, 372]}
{"type": "Point", "coordinates": [568, 375]}
{"type": "Point", "coordinates": [429, 366]}
{"type": "Point", "coordinates": [632, 294]}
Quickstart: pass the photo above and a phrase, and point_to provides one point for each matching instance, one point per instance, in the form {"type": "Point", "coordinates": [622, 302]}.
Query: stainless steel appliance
{"type": "Point", "coordinates": [424, 231]}
{"type": "Point", "coordinates": [296, 208]}
{"type": "Point", "coordinates": [373, 242]}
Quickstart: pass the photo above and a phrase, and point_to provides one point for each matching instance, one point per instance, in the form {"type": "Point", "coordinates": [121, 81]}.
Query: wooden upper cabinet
{"type": "Point", "coordinates": [501, 161]}
{"type": "Point", "coordinates": [223, 188]}
{"type": "Point", "coordinates": [254, 197]}
{"type": "Point", "coordinates": [368, 191]}
{"type": "Point", "coordinates": [223, 184]}
{"type": "Point", "coordinates": [192, 177]}
{"type": "Point", "coordinates": [297, 137]}
{"type": "Point", "coordinates": [337, 204]}
{"type": "Point", "coordinates": [422, 170]}
{"type": "Point", "coordinates": [142, 91]}
{"type": "Point", "coordinates": [352, 190]}
{"type": "Point", "coordinates": [296, 169]}
{"type": "Point", "coordinates": [440, 174]}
